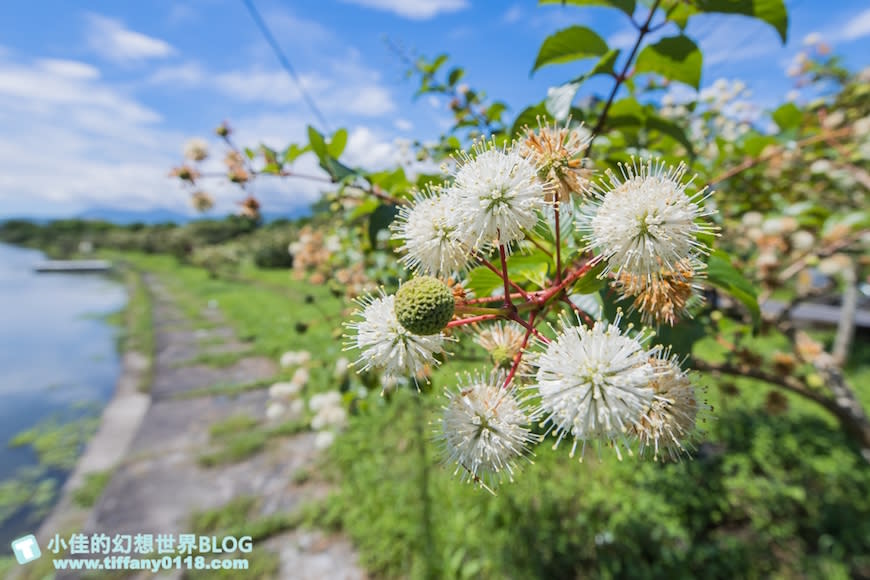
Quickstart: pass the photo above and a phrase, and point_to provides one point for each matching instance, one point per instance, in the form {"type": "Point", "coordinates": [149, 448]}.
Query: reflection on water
{"type": "Point", "coordinates": [58, 359]}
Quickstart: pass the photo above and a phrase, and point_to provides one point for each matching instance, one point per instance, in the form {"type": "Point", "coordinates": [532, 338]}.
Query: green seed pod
{"type": "Point", "coordinates": [424, 305]}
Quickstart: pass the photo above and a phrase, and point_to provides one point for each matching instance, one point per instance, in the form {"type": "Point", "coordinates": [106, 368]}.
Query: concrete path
{"type": "Point", "coordinates": [158, 483]}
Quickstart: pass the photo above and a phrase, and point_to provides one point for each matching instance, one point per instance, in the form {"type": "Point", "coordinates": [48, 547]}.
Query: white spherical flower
{"type": "Point", "coordinates": [274, 411]}
{"type": "Point", "coordinates": [284, 390]}
{"type": "Point", "coordinates": [497, 194]}
{"type": "Point", "coordinates": [385, 344]}
{"type": "Point", "coordinates": [324, 439]}
{"type": "Point", "coordinates": [593, 383]}
{"type": "Point", "coordinates": [300, 377]}
{"type": "Point", "coordinates": [321, 401]}
{"type": "Point", "coordinates": [430, 244]}
{"type": "Point", "coordinates": [196, 149]}
{"type": "Point", "coordinates": [668, 424]}
{"type": "Point", "coordinates": [294, 357]}
{"type": "Point", "coordinates": [646, 222]}
{"type": "Point", "coordinates": [483, 429]}
{"type": "Point", "coordinates": [802, 240]}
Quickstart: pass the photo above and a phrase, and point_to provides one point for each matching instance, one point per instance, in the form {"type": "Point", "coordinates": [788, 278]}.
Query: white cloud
{"type": "Point", "coordinates": [189, 74]}
{"type": "Point", "coordinates": [403, 124]}
{"type": "Point", "coordinates": [414, 9]}
{"type": "Point", "coordinates": [68, 68]}
{"type": "Point", "coordinates": [733, 39]}
{"type": "Point", "coordinates": [513, 14]}
{"type": "Point", "coordinates": [109, 39]}
{"type": "Point", "coordinates": [70, 141]}
{"type": "Point", "coordinates": [624, 38]}
{"type": "Point", "coordinates": [273, 86]}
{"type": "Point", "coordinates": [858, 27]}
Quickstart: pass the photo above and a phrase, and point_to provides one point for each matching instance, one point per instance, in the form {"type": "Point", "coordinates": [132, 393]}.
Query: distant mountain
{"type": "Point", "coordinates": [125, 216]}
{"type": "Point", "coordinates": [163, 215]}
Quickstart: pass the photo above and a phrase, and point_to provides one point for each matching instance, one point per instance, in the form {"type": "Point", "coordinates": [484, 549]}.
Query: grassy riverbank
{"type": "Point", "coordinates": [773, 491]}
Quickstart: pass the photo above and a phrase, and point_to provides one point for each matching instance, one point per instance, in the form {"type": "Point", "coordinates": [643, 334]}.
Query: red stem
{"type": "Point", "coordinates": [472, 320]}
{"type": "Point", "coordinates": [586, 318]}
{"type": "Point", "coordinates": [519, 356]}
{"type": "Point", "coordinates": [498, 272]}
{"type": "Point", "coordinates": [504, 275]}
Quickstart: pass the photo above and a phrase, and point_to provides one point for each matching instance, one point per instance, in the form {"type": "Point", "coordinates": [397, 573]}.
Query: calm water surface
{"type": "Point", "coordinates": [57, 355]}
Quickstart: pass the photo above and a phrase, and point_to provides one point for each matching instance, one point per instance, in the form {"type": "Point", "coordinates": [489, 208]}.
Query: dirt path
{"type": "Point", "coordinates": [158, 483]}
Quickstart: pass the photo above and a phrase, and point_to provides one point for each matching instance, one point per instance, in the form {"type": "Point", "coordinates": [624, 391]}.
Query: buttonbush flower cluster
{"type": "Point", "coordinates": [557, 370]}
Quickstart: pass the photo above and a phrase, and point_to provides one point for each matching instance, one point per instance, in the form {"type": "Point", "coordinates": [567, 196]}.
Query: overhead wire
{"type": "Point", "coordinates": [284, 61]}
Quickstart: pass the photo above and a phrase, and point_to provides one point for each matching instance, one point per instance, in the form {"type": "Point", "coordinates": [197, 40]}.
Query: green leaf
{"type": "Point", "coordinates": [494, 111]}
{"type": "Point", "coordinates": [365, 208]}
{"type": "Point", "coordinates": [337, 143]}
{"type": "Point", "coordinates": [788, 116]}
{"type": "Point", "coordinates": [483, 281]}
{"type": "Point", "coordinates": [559, 99]}
{"type": "Point", "coordinates": [590, 282]}
{"type": "Point", "coordinates": [626, 6]}
{"type": "Point", "coordinates": [381, 219]}
{"type": "Point", "coordinates": [454, 76]}
{"type": "Point", "coordinates": [531, 267]}
{"type": "Point", "coordinates": [336, 169]}
{"type": "Point", "coordinates": [293, 152]}
{"type": "Point", "coordinates": [529, 117]}
{"type": "Point", "coordinates": [318, 145]}
{"type": "Point", "coordinates": [570, 44]}
{"type": "Point", "coordinates": [754, 144]}
{"type": "Point", "coordinates": [678, 12]}
{"type": "Point", "coordinates": [722, 273]}
{"type": "Point", "coordinates": [671, 129]}
{"type": "Point", "coordinates": [626, 112]}
{"type": "Point", "coordinates": [676, 58]}
{"type": "Point", "coordinates": [771, 11]}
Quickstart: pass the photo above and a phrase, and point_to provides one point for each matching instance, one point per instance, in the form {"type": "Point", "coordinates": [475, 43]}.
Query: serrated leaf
{"type": "Point", "coordinates": [337, 143]}
{"type": "Point", "coordinates": [626, 6]}
{"type": "Point", "coordinates": [570, 44]}
{"type": "Point", "coordinates": [676, 58]}
{"type": "Point", "coordinates": [788, 116]}
{"type": "Point", "coordinates": [483, 281]}
{"type": "Point", "coordinates": [722, 273]}
{"type": "Point", "coordinates": [771, 11]}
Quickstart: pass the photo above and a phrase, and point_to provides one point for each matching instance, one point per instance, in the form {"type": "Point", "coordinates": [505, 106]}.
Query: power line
{"type": "Point", "coordinates": [282, 58]}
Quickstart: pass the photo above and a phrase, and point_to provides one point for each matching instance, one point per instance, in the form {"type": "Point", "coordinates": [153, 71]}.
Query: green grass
{"type": "Point", "coordinates": [240, 436]}
{"type": "Point", "coordinates": [239, 518]}
{"type": "Point", "coordinates": [92, 488]}
{"type": "Point", "coordinates": [227, 389]}
{"type": "Point", "coordinates": [137, 322]}
{"type": "Point", "coordinates": [766, 496]}
{"type": "Point", "coordinates": [216, 359]}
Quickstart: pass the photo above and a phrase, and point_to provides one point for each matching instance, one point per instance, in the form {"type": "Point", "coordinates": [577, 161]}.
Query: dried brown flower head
{"type": "Point", "coordinates": [660, 300]}
{"type": "Point", "coordinates": [558, 154]}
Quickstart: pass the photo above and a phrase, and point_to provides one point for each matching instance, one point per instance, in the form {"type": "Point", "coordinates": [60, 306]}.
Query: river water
{"type": "Point", "coordinates": [58, 362]}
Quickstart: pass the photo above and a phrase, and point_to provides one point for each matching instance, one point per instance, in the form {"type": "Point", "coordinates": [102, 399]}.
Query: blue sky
{"type": "Point", "coordinates": [98, 98]}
